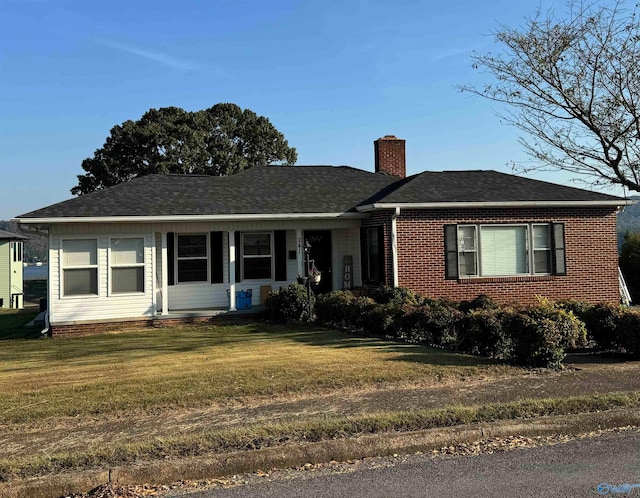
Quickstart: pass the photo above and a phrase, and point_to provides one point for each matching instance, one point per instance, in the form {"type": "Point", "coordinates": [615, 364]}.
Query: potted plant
{"type": "Point", "coordinates": [302, 280]}
{"type": "Point", "coordinates": [315, 275]}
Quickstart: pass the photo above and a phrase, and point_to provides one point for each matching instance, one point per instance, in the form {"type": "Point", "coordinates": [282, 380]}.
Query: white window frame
{"type": "Point", "coordinates": [63, 268]}
{"type": "Point", "coordinates": [255, 256]}
{"type": "Point", "coordinates": [17, 252]}
{"type": "Point", "coordinates": [112, 265]}
{"type": "Point", "coordinates": [177, 258]}
{"type": "Point", "coordinates": [474, 251]}
{"type": "Point", "coordinates": [529, 248]}
{"type": "Point", "coordinates": [548, 249]}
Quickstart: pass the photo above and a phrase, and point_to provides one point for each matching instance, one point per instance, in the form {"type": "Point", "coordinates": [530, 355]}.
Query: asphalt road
{"type": "Point", "coordinates": [572, 469]}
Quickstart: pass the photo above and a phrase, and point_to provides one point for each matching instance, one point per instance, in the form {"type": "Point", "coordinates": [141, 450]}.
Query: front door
{"type": "Point", "coordinates": [320, 253]}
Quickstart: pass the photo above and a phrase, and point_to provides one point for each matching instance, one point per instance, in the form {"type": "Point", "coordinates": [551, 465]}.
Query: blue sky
{"type": "Point", "coordinates": [332, 76]}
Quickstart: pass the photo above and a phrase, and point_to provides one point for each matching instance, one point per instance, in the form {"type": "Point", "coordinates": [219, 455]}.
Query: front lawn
{"type": "Point", "coordinates": [195, 366]}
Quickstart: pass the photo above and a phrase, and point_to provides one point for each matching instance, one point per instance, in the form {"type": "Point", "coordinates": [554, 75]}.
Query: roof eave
{"type": "Point", "coordinates": [493, 204]}
{"type": "Point", "coordinates": [186, 218]}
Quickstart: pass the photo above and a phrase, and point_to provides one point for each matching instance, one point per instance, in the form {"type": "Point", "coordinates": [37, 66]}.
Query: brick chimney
{"type": "Point", "coordinates": [390, 156]}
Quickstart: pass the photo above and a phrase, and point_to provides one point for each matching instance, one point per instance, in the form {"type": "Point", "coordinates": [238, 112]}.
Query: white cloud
{"type": "Point", "coordinates": [161, 58]}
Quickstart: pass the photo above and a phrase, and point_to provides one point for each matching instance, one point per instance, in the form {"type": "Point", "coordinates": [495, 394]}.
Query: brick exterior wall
{"type": "Point", "coordinates": [591, 254]}
{"type": "Point", "coordinates": [389, 153]}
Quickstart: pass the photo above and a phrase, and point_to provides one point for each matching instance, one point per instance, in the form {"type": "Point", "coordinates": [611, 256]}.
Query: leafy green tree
{"type": "Point", "coordinates": [630, 263]}
{"type": "Point", "coordinates": [221, 140]}
{"type": "Point", "coordinates": [571, 85]}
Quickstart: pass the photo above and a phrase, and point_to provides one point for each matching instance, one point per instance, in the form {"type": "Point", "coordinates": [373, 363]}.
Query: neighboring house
{"type": "Point", "coordinates": [170, 246]}
{"type": "Point", "coordinates": [11, 255]}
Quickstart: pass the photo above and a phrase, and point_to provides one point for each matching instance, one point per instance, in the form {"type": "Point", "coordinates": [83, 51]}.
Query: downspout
{"type": "Point", "coordinates": [394, 246]}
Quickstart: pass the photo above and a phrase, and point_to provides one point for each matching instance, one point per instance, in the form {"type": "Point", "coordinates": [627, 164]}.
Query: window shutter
{"type": "Point", "coordinates": [364, 256]}
{"type": "Point", "coordinates": [170, 259]}
{"type": "Point", "coordinates": [381, 254]}
{"type": "Point", "coordinates": [559, 257]}
{"type": "Point", "coordinates": [451, 251]}
{"type": "Point", "coordinates": [280, 256]}
{"type": "Point", "coordinates": [238, 256]}
{"type": "Point", "coordinates": [217, 258]}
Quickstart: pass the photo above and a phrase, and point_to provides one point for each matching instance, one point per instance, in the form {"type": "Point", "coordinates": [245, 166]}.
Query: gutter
{"type": "Point", "coordinates": [200, 217]}
{"type": "Point", "coordinates": [394, 245]}
{"type": "Point", "coordinates": [502, 204]}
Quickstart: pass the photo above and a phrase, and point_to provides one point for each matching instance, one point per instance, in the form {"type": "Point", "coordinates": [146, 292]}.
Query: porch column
{"type": "Point", "coordinates": [232, 270]}
{"type": "Point", "coordinates": [165, 276]}
{"type": "Point", "coordinates": [299, 251]}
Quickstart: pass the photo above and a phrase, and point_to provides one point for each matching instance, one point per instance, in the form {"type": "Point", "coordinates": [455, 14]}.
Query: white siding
{"type": "Point", "coordinates": [103, 306]}
{"type": "Point", "coordinates": [345, 241]}
{"type": "Point", "coordinates": [5, 273]}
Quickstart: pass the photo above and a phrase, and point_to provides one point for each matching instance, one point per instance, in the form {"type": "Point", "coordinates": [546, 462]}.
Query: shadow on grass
{"type": "Point", "coordinates": [193, 338]}
{"type": "Point", "coordinates": [415, 353]}
{"type": "Point", "coordinates": [12, 324]}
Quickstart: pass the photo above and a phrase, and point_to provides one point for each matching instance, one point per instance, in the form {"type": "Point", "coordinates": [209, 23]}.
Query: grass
{"type": "Point", "coordinates": [309, 430]}
{"type": "Point", "coordinates": [12, 324]}
{"type": "Point", "coordinates": [195, 366]}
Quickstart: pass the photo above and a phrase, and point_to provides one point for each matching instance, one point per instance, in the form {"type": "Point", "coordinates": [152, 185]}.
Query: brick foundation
{"type": "Point", "coordinates": [83, 329]}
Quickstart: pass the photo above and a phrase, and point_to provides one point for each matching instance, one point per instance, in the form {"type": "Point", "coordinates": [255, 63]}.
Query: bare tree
{"type": "Point", "coordinates": [572, 85]}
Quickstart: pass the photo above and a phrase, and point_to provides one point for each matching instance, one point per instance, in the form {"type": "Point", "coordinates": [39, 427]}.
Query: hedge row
{"type": "Point", "coordinates": [534, 336]}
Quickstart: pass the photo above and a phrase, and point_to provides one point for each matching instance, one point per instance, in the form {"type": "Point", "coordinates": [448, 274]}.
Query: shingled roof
{"type": "Point", "coordinates": [257, 190]}
{"type": "Point", "coordinates": [273, 190]}
{"type": "Point", "coordinates": [484, 186]}
{"type": "Point", "coordinates": [4, 235]}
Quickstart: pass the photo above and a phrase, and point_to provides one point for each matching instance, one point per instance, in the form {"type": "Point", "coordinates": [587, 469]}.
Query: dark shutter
{"type": "Point", "coordinates": [364, 254]}
{"type": "Point", "coordinates": [170, 259]}
{"type": "Point", "coordinates": [238, 256]}
{"type": "Point", "coordinates": [381, 256]}
{"type": "Point", "coordinates": [217, 258]}
{"type": "Point", "coordinates": [451, 251]}
{"type": "Point", "coordinates": [559, 257]}
{"type": "Point", "coordinates": [280, 256]}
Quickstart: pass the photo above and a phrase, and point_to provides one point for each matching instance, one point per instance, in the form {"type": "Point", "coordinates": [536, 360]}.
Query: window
{"type": "Point", "coordinates": [17, 252]}
{"type": "Point", "coordinates": [192, 259]}
{"type": "Point", "coordinates": [504, 250]}
{"type": "Point", "coordinates": [541, 249]}
{"type": "Point", "coordinates": [80, 267]}
{"type": "Point", "coordinates": [256, 256]}
{"type": "Point", "coordinates": [373, 254]}
{"type": "Point", "coordinates": [127, 265]}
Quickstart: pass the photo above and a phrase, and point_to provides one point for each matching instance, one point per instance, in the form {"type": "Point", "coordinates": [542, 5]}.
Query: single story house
{"type": "Point", "coordinates": [11, 255]}
{"type": "Point", "coordinates": [164, 246]}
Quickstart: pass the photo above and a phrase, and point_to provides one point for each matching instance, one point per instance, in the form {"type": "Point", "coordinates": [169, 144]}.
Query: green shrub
{"type": "Point", "coordinates": [436, 323]}
{"type": "Point", "coordinates": [572, 331]}
{"type": "Point", "coordinates": [334, 308]}
{"type": "Point", "coordinates": [602, 322]}
{"type": "Point", "coordinates": [379, 320]}
{"type": "Point", "coordinates": [628, 336]}
{"type": "Point", "coordinates": [290, 303]}
{"type": "Point", "coordinates": [482, 333]}
{"type": "Point", "coordinates": [541, 333]}
{"type": "Point", "coordinates": [481, 302]}
{"type": "Point", "coordinates": [579, 308]}
{"type": "Point", "coordinates": [394, 295]}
